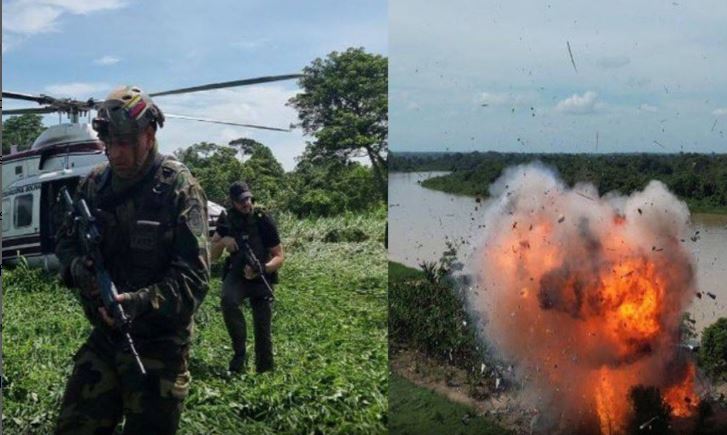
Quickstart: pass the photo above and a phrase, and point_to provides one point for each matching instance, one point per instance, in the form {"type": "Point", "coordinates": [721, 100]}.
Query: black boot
{"type": "Point", "coordinates": [238, 364]}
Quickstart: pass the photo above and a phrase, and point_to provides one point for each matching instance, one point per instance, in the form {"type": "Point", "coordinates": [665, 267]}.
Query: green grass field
{"type": "Point", "coordinates": [329, 337]}
{"type": "Point", "coordinates": [417, 411]}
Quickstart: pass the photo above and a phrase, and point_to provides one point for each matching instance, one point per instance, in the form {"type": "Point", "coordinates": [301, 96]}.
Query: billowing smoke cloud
{"type": "Point", "coordinates": [584, 295]}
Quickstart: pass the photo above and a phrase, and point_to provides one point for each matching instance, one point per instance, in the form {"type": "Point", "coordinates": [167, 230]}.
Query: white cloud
{"type": "Point", "coordinates": [78, 90]}
{"type": "Point", "coordinates": [578, 104]}
{"type": "Point", "coordinates": [261, 105]}
{"type": "Point", "coordinates": [26, 18]}
{"type": "Point", "coordinates": [107, 60]}
{"type": "Point", "coordinates": [720, 112]}
{"type": "Point", "coordinates": [82, 7]}
{"type": "Point", "coordinates": [613, 62]}
{"type": "Point", "coordinates": [32, 17]}
{"type": "Point", "coordinates": [413, 106]}
{"type": "Point", "coordinates": [648, 108]}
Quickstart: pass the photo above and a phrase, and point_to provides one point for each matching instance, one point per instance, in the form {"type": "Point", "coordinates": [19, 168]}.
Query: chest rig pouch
{"type": "Point", "coordinates": [249, 228]}
{"type": "Point", "coordinates": [138, 226]}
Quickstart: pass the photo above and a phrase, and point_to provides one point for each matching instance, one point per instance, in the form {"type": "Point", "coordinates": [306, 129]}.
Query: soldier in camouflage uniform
{"type": "Point", "coordinates": [153, 218]}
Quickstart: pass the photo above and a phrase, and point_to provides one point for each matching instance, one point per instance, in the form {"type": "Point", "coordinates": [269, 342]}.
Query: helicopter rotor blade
{"type": "Point", "coordinates": [192, 118]}
{"type": "Point", "coordinates": [230, 84]}
{"type": "Point", "coordinates": [40, 99]}
{"type": "Point", "coordinates": [29, 110]}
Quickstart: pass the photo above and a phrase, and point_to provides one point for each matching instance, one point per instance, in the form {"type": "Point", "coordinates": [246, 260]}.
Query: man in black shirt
{"type": "Point", "coordinates": [244, 224]}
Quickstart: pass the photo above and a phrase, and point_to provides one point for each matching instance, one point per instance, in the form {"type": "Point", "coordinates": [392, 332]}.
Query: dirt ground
{"type": "Point", "coordinates": [451, 382]}
{"type": "Point", "coordinates": [503, 405]}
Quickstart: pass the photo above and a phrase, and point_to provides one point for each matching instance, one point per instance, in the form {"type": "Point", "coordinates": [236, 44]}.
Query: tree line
{"type": "Point", "coordinates": [343, 107]}
{"type": "Point", "coordinates": [699, 179]}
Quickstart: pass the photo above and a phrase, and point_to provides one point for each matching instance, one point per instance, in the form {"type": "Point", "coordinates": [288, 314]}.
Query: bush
{"type": "Point", "coordinates": [430, 317]}
{"type": "Point", "coordinates": [713, 351]}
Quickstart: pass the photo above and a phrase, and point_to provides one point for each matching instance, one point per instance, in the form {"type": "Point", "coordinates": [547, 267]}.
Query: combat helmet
{"type": "Point", "coordinates": [126, 111]}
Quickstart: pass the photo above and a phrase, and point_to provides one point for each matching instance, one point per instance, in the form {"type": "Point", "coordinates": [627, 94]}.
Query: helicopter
{"type": "Point", "coordinates": [60, 157]}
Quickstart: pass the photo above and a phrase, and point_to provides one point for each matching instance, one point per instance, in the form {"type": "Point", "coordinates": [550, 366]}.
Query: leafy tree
{"type": "Point", "coordinates": [322, 186]}
{"type": "Point", "coordinates": [713, 351]}
{"type": "Point", "coordinates": [262, 171]}
{"type": "Point", "coordinates": [344, 106]}
{"type": "Point", "coordinates": [22, 131]}
{"type": "Point", "coordinates": [214, 166]}
{"type": "Point", "coordinates": [217, 166]}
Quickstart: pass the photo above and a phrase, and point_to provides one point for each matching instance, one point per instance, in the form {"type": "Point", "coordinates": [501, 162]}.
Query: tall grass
{"type": "Point", "coordinates": [329, 337]}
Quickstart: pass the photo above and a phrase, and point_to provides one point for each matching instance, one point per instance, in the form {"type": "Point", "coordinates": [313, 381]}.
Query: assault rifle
{"type": "Point", "coordinates": [90, 241]}
{"type": "Point", "coordinates": [252, 260]}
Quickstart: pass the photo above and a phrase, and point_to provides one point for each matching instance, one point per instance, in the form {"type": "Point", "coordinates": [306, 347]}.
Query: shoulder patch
{"type": "Point", "coordinates": [195, 220]}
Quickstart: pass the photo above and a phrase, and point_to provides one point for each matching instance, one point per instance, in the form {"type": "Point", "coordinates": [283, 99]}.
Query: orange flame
{"type": "Point", "coordinates": [590, 315]}
{"type": "Point", "coordinates": [681, 397]}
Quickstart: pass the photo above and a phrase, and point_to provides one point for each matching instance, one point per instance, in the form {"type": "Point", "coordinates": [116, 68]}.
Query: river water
{"type": "Point", "coordinates": [422, 220]}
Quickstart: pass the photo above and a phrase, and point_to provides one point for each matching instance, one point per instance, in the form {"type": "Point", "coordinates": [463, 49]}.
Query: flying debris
{"type": "Point", "coordinates": [585, 196]}
{"type": "Point", "coordinates": [657, 142]}
{"type": "Point", "coordinates": [570, 53]}
{"type": "Point", "coordinates": [714, 125]}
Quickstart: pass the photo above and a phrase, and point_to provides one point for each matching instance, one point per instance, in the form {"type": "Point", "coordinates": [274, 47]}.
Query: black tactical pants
{"type": "Point", "coordinates": [234, 290]}
{"type": "Point", "coordinates": [106, 385]}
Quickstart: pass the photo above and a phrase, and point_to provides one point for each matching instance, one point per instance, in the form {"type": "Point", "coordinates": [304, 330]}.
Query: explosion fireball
{"type": "Point", "coordinates": [585, 294]}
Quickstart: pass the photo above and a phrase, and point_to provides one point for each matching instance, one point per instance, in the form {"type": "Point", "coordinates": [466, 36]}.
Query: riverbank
{"type": "Point", "coordinates": [456, 183]}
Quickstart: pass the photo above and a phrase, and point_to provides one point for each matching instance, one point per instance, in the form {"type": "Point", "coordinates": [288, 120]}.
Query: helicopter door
{"type": "Point", "coordinates": [51, 212]}
{"type": "Point", "coordinates": [6, 216]}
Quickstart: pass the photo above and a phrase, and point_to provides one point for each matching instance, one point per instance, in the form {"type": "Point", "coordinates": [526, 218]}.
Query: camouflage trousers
{"type": "Point", "coordinates": [106, 385]}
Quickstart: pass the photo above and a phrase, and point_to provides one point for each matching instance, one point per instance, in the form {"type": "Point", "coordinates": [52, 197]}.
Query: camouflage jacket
{"type": "Point", "coordinates": [154, 240]}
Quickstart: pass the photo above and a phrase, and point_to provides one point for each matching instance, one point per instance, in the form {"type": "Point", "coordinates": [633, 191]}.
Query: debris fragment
{"type": "Point", "coordinates": [585, 196]}
{"type": "Point", "coordinates": [561, 219]}
{"type": "Point", "coordinates": [570, 53]}
{"type": "Point", "coordinates": [714, 125]}
{"type": "Point", "coordinates": [657, 142]}
{"type": "Point", "coordinates": [644, 425]}
{"type": "Point", "coordinates": [712, 295]}
{"type": "Point", "coordinates": [639, 210]}
{"type": "Point", "coordinates": [699, 295]}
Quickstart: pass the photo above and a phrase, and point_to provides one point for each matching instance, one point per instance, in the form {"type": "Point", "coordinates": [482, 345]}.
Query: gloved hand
{"type": "Point", "coordinates": [84, 277]}
{"type": "Point", "coordinates": [133, 303]}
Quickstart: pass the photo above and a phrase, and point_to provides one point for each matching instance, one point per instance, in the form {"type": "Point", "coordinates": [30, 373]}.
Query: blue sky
{"type": "Point", "coordinates": [85, 48]}
{"type": "Point", "coordinates": [497, 75]}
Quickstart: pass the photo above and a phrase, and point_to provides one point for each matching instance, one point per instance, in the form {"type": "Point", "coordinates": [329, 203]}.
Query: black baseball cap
{"type": "Point", "coordinates": [239, 191]}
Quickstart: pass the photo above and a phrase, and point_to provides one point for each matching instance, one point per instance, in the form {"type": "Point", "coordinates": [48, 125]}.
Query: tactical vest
{"type": "Point", "coordinates": [249, 225]}
{"type": "Point", "coordinates": [138, 225]}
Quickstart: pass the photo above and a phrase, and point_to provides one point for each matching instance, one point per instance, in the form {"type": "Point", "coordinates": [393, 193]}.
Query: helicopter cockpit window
{"type": "Point", "coordinates": [23, 210]}
{"type": "Point", "coordinates": [19, 170]}
{"type": "Point", "coordinates": [6, 214]}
